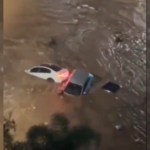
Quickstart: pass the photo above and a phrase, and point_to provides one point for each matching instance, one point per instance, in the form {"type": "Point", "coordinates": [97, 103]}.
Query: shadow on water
{"type": "Point", "coordinates": [59, 136]}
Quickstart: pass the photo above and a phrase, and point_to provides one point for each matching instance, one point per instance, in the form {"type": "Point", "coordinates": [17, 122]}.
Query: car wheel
{"type": "Point", "coordinates": [50, 80]}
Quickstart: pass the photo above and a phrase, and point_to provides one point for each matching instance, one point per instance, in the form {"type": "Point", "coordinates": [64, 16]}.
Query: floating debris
{"type": "Point", "coordinates": [111, 87]}
{"type": "Point", "coordinates": [52, 42]}
{"type": "Point", "coordinates": [118, 39]}
{"type": "Point", "coordinates": [118, 127]}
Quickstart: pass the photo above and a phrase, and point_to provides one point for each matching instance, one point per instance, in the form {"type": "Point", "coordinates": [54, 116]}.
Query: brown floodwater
{"type": "Point", "coordinates": [85, 33]}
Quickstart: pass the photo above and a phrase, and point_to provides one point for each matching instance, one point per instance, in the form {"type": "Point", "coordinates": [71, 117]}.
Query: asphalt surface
{"type": "Point", "coordinates": [85, 33]}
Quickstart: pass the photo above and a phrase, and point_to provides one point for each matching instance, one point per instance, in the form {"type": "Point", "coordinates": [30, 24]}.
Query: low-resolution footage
{"type": "Point", "coordinates": [74, 75]}
{"type": "Point", "coordinates": [111, 87]}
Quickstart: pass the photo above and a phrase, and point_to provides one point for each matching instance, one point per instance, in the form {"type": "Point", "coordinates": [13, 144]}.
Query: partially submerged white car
{"type": "Point", "coordinates": [50, 72]}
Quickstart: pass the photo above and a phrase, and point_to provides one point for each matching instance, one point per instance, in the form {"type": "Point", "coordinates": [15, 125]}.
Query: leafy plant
{"type": "Point", "coordinates": [57, 136]}
{"type": "Point", "coordinates": [8, 126]}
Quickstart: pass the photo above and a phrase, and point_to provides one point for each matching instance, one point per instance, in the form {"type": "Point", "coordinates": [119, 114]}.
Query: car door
{"type": "Point", "coordinates": [44, 73]}
{"type": "Point", "coordinates": [87, 85]}
{"type": "Point", "coordinates": [34, 71]}
{"type": "Point", "coordinates": [40, 72]}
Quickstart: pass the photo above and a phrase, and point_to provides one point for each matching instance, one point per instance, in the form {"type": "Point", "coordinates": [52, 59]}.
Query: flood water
{"type": "Point", "coordinates": [108, 38]}
{"type": "Point", "coordinates": [89, 29]}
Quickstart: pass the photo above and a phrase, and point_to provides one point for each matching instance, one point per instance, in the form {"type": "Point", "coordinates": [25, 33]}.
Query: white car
{"type": "Point", "coordinates": [50, 72]}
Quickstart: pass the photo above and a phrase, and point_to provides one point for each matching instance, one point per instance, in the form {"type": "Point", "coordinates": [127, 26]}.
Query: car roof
{"type": "Point", "coordinates": [45, 65]}
{"type": "Point", "coordinates": [79, 77]}
{"type": "Point", "coordinates": [52, 66]}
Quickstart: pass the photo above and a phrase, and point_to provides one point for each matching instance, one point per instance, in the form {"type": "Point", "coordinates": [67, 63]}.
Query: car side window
{"type": "Point", "coordinates": [44, 70]}
{"type": "Point", "coordinates": [86, 83]}
{"type": "Point", "coordinates": [36, 69]}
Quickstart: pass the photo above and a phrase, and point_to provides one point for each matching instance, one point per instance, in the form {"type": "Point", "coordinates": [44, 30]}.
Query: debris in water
{"type": "Point", "coordinates": [111, 87]}
{"type": "Point", "coordinates": [119, 127]}
{"type": "Point", "coordinates": [52, 42]}
{"type": "Point", "coordinates": [118, 39]}
{"type": "Point", "coordinates": [137, 140]}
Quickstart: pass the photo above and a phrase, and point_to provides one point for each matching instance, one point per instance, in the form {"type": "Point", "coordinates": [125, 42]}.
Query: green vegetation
{"type": "Point", "coordinates": [57, 136]}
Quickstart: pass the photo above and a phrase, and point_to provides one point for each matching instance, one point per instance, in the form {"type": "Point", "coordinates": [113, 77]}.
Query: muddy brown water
{"type": "Point", "coordinates": [85, 37]}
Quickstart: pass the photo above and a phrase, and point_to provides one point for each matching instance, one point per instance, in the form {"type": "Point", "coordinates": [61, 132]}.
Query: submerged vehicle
{"type": "Point", "coordinates": [50, 72]}
{"type": "Point", "coordinates": [78, 83]}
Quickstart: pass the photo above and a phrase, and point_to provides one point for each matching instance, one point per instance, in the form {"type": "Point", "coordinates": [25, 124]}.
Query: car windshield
{"type": "Point", "coordinates": [73, 89]}
{"type": "Point", "coordinates": [53, 67]}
